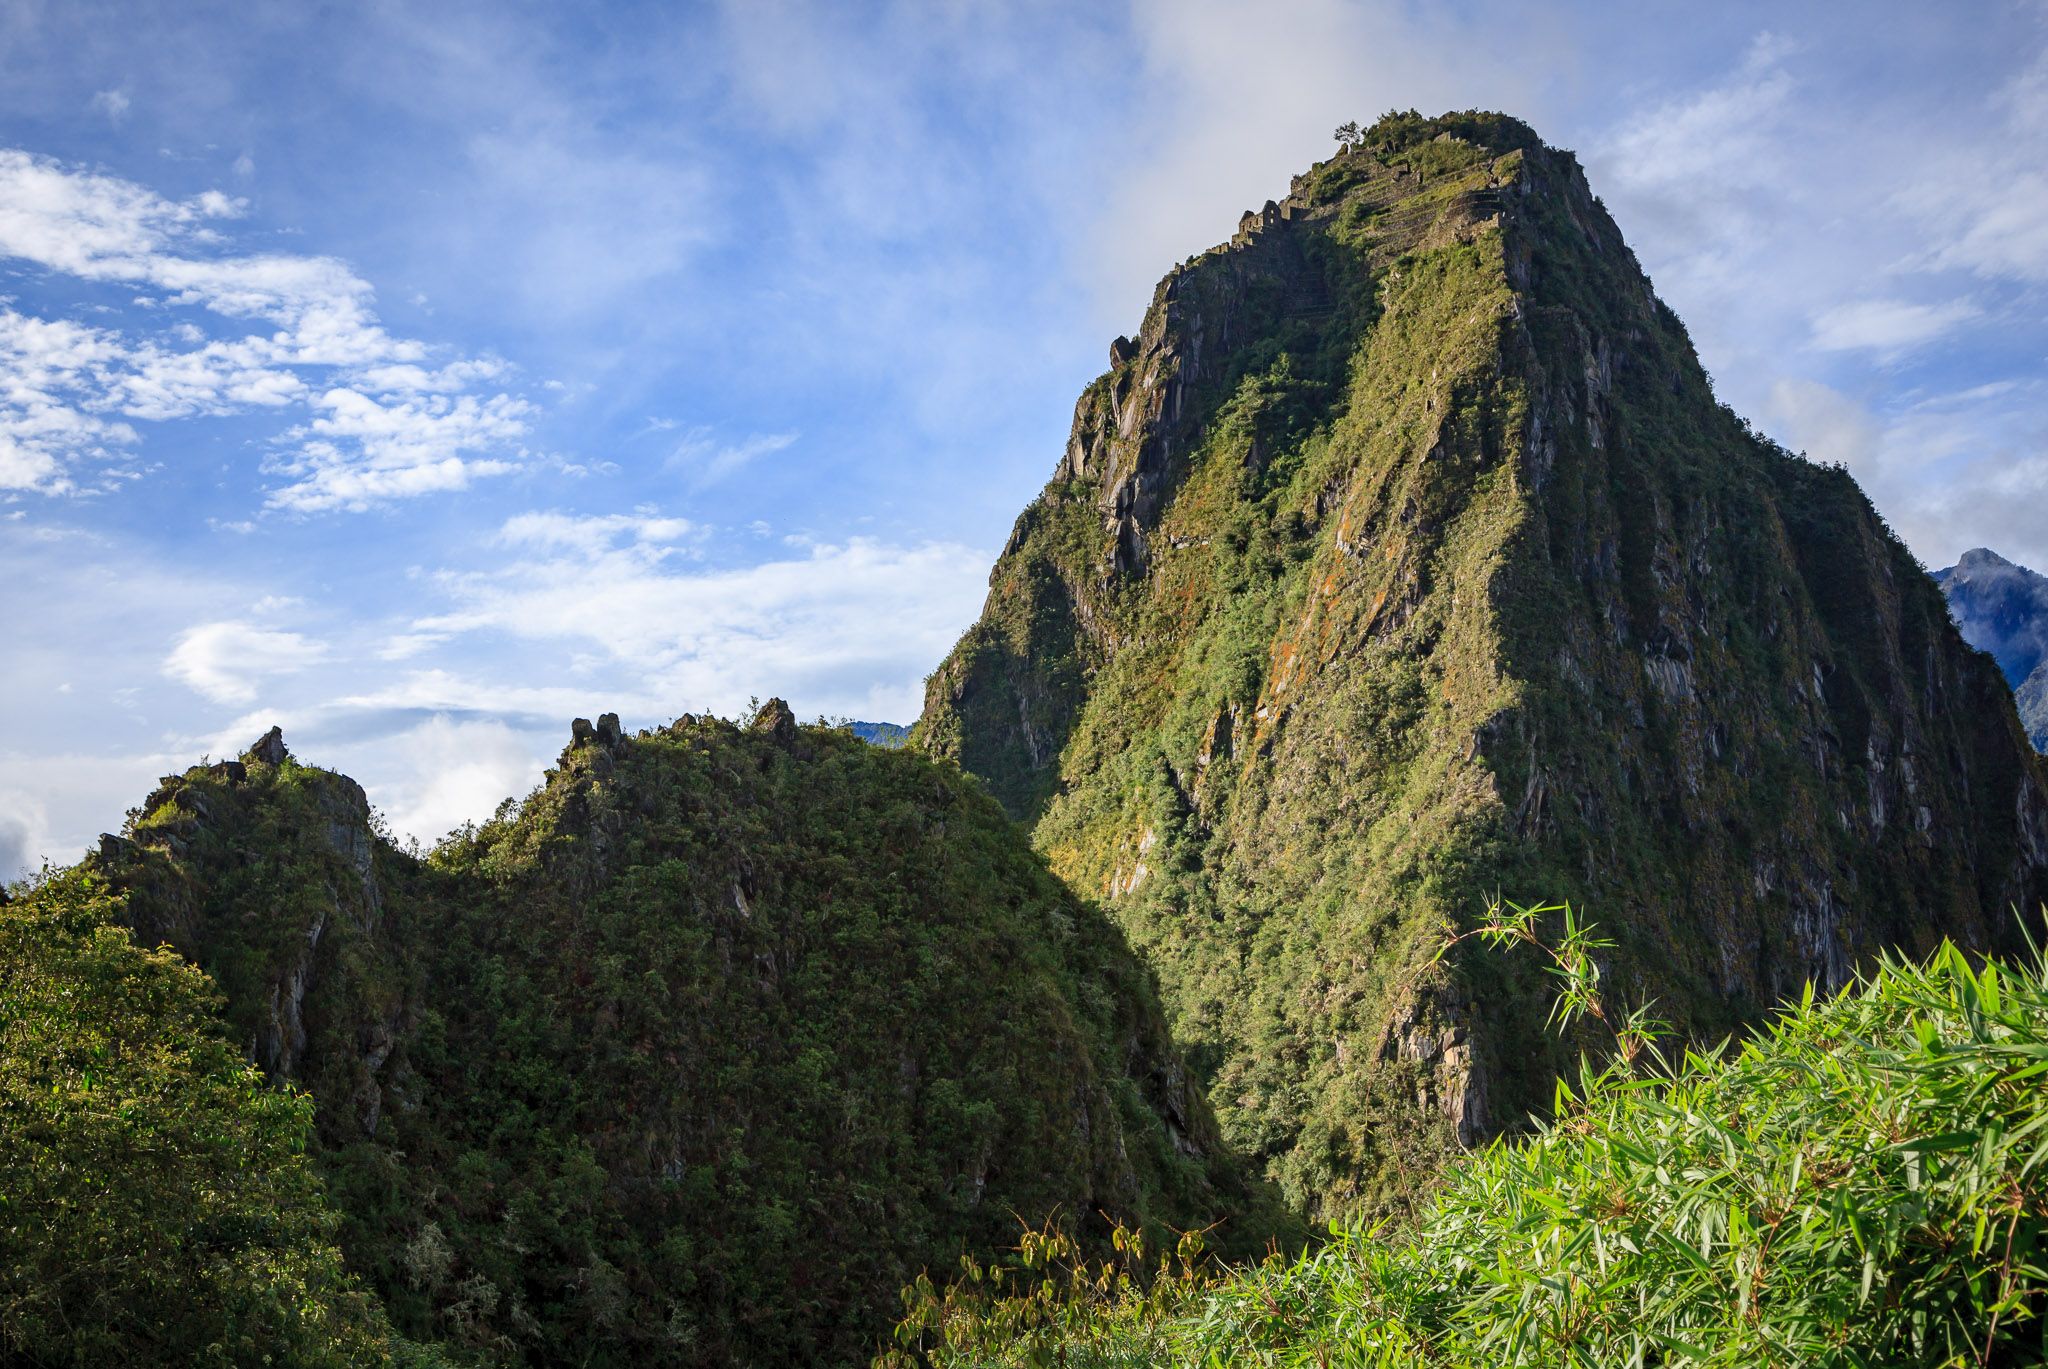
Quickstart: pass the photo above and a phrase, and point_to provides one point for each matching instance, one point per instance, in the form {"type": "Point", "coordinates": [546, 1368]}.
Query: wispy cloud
{"type": "Point", "coordinates": [1707, 175]}
{"type": "Point", "coordinates": [706, 461]}
{"type": "Point", "coordinates": [1985, 203]}
{"type": "Point", "coordinates": [383, 423]}
{"type": "Point", "coordinates": [841, 623]}
{"type": "Point", "coordinates": [24, 834]}
{"type": "Point", "coordinates": [361, 450]}
{"type": "Point", "coordinates": [1862, 273]}
{"type": "Point", "coordinates": [595, 535]}
{"type": "Point", "coordinates": [1951, 470]}
{"type": "Point", "coordinates": [1887, 325]}
{"type": "Point", "coordinates": [1231, 101]}
{"type": "Point", "coordinates": [113, 104]}
{"type": "Point", "coordinates": [47, 369]}
{"type": "Point", "coordinates": [455, 771]}
{"type": "Point", "coordinates": [227, 661]}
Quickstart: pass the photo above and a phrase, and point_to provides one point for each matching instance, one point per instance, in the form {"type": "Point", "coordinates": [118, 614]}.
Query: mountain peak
{"type": "Point", "coordinates": [2002, 608]}
{"type": "Point", "coordinates": [1403, 559]}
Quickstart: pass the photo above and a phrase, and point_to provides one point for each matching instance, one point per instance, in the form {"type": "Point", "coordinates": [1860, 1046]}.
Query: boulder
{"type": "Point", "coordinates": [777, 721]}
{"type": "Point", "coordinates": [269, 748]}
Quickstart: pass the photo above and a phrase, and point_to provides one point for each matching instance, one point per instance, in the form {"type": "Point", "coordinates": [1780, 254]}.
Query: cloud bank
{"type": "Point", "coordinates": [377, 425]}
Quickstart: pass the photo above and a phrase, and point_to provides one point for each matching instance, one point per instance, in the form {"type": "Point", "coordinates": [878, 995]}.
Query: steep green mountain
{"type": "Point", "coordinates": [2003, 609]}
{"type": "Point", "coordinates": [694, 1056]}
{"type": "Point", "coordinates": [1404, 557]}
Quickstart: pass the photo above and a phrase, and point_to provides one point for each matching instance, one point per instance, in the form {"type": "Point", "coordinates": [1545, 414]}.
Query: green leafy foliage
{"type": "Point", "coordinates": [1860, 1184]}
{"type": "Point", "coordinates": [156, 1202]}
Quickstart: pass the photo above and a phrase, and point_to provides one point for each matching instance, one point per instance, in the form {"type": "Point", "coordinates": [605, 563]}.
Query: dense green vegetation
{"type": "Point", "coordinates": [1405, 556]}
{"type": "Point", "coordinates": [1860, 1184]}
{"type": "Point", "coordinates": [694, 1055]}
{"type": "Point", "coordinates": [156, 1202]}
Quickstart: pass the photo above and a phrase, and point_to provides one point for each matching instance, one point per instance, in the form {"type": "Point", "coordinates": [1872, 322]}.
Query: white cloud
{"type": "Point", "coordinates": [591, 535]}
{"type": "Point", "coordinates": [1888, 325]}
{"type": "Point", "coordinates": [55, 803]}
{"type": "Point", "coordinates": [361, 451]}
{"type": "Point", "coordinates": [226, 661]}
{"type": "Point", "coordinates": [454, 772]}
{"type": "Point", "coordinates": [1236, 97]}
{"type": "Point", "coordinates": [1707, 177]}
{"type": "Point", "coordinates": [90, 225]}
{"type": "Point", "coordinates": [847, 626]}
{"type": "Point", "coordinates": [1863, 272]}
{"type": "Point", "coordinates": [404, 646]}
{"type": "Point", "coordinates": [1950, 471]}
{"type": "Point", "coordinates": [1720, 137]}
{"type": "Point", "coordinates": [45, 368]}
{"type": "Point", "coordinates": [384, 425]}
{"type": "Point", "coordinates": [24, 834]}
{"type": "Point", "coordinates": [1985, 202]}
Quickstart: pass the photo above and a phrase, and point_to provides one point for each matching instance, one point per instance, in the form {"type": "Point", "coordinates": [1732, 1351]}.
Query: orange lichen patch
{"type": "Point", "coordinates": [1284, 655]}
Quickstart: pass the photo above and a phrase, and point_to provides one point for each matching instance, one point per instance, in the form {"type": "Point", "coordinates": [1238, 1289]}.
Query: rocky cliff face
{"type": "Point", "coordinates": [1404, 557]}
{"type": "Point", "coordinates": [267, 874]}
{"type": "Point", "coordinates": [2003, 609]}
{"type": "Point", "coordinates": [697, 1055]}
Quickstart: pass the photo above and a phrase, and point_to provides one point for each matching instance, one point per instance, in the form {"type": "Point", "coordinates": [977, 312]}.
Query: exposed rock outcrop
{"type": "Point", "coordinates": [274, 888]}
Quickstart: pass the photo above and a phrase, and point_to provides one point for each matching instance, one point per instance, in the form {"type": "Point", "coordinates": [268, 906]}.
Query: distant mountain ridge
{"type": "Point", "coordinates": [2002, 608]}
{"type": "Point", "coordinates": [880, 734]}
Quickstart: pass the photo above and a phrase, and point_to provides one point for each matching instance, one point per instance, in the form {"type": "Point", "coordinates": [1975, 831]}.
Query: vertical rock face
{"type": "Point", "coordinates": [1404, 557]}
{"type": "Point", "coordinates": [265, 872]}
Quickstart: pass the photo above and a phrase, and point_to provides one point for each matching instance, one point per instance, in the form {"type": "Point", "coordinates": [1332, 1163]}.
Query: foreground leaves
{"type": "Point", "coordinates": [156, 1206]}
{"type": "Point", "coordinates": [1860, 1185]}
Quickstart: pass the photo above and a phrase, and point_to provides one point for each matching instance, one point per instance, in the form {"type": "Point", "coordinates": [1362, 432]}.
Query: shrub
{"type": "Point", "coordinates": [156, 1205]}
{"type": "Point", "coordinates": [1860, 1184]}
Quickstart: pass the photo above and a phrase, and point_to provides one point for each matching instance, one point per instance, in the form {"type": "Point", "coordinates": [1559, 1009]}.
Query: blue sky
{"type": "Point", "coordinates": [421, 376]}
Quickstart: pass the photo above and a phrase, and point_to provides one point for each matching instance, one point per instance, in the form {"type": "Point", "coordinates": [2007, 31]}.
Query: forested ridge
{"type": "Point", "coordinates": [696, 1055]}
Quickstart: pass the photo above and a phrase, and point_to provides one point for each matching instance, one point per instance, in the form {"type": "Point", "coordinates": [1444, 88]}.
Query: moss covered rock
{"type": "Point", "coordinates": [1405, 558]}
